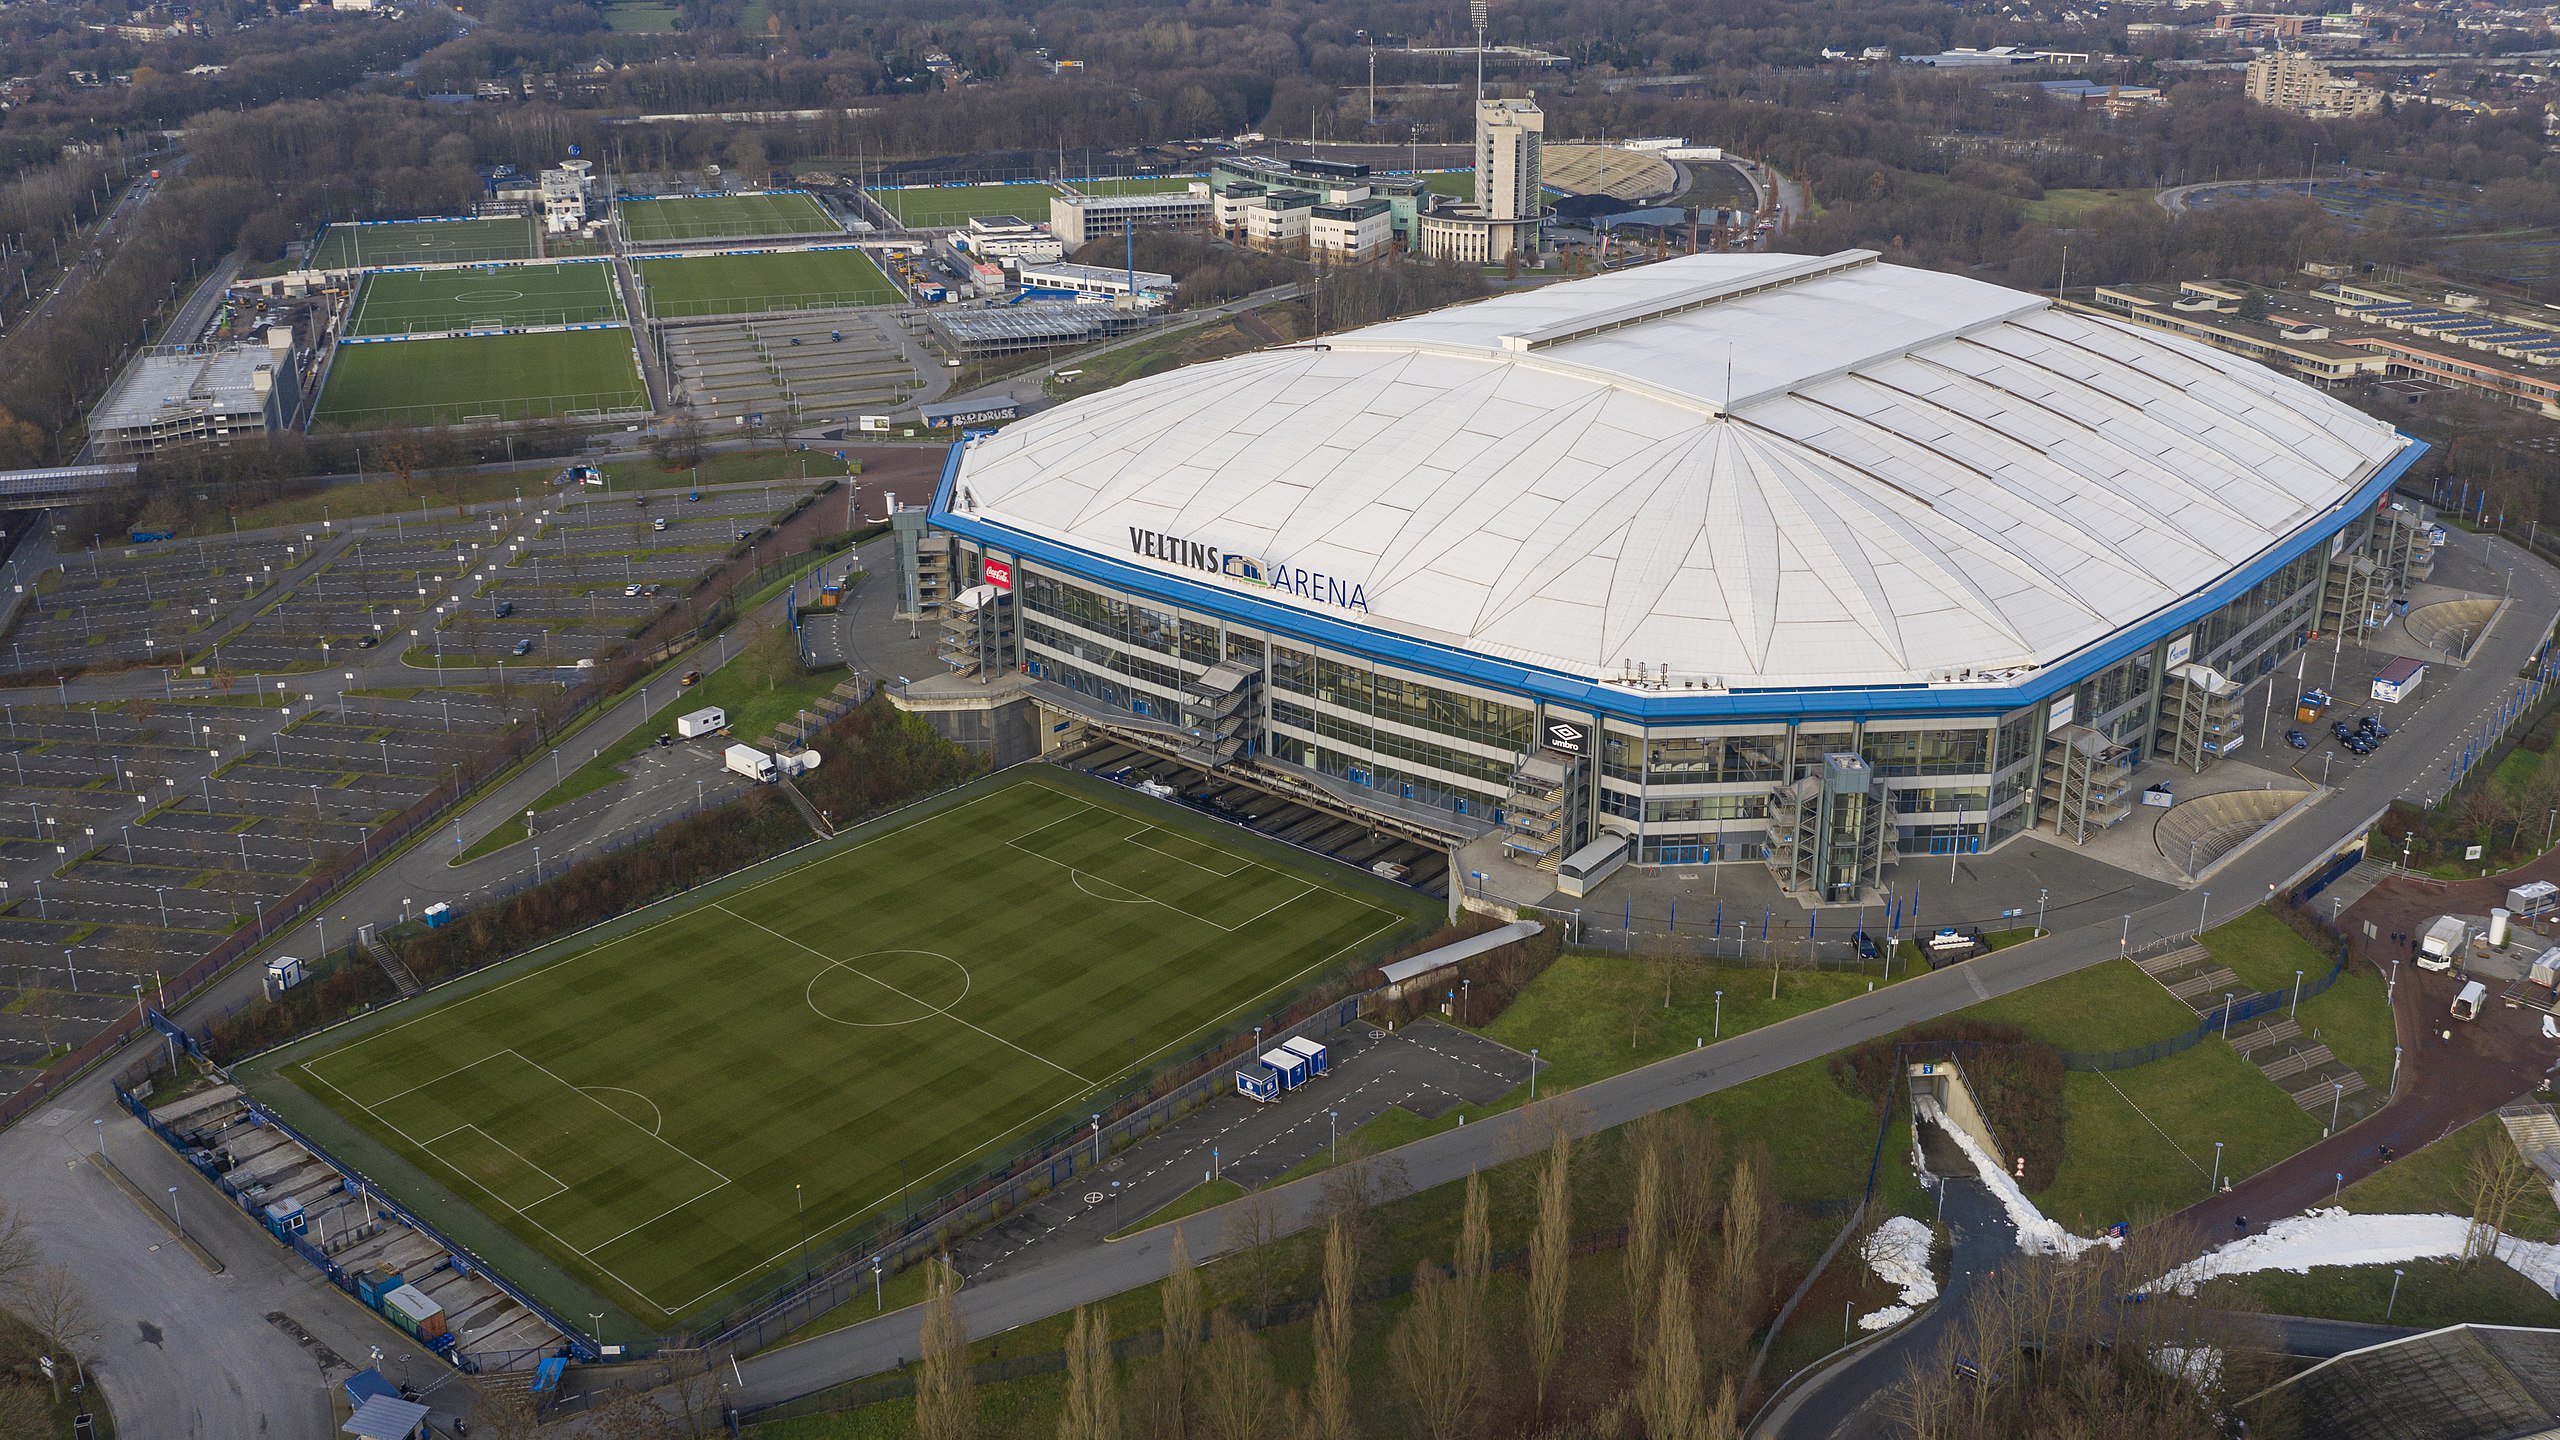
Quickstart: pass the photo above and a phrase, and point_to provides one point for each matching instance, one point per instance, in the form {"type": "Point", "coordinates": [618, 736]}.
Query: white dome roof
{"type": "Point", "coordinates": [1758, 470]}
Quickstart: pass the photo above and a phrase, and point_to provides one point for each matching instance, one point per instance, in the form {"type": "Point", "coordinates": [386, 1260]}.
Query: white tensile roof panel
{"type": "Point", "coordinates": [1764, 470]}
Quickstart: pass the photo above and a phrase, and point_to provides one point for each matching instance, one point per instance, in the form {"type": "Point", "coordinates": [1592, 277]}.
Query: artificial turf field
{"type": "Point", "coordinates": [926, 207]}
{"type": "Point", "coordinates": [408, 302]}
{"type": "Point", "coordinates": [449, 381]}
{"type": "Point", "coordinates": [747, 284]}
{"type": "Point", "coordinates": [423, 242]}
{"type": "Point", "coordinates": [721, 217]}
{"type": "Point", "coordinates": [865, 1025]}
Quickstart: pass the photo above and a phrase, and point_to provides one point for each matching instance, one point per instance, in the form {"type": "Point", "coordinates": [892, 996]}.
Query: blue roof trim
{"type": "Point", "coordinates": [1879, 702]}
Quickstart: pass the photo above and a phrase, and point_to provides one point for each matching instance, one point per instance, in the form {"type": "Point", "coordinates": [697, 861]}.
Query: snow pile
{"type": "Point", "coordinates": [1898, 1252]}
{"type": "Point", "coordinates": [2200, 1367]}
{"type": "Point", "coordinates": [2335, 1237]}
{"type": "Point", "coordinates": [2036, 1234]}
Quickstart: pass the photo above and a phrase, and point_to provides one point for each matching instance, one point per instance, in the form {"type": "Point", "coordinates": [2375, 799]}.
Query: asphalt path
{"type": "Point", "coordinates": [1068, 1276]}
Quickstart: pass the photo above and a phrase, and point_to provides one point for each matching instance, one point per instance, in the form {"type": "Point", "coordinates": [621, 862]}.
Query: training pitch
{"type": "Point", "coordinates": [415, 302]}
{"type": "Point", "coordinates": [854, 1031]}
{"type": "Point", "coordinates": [935, 206]}
{"type": "Point", "coordinates": [423, 242]}
{"type": "Point", "coordinates": [721, 217]}
{"type": "Point", "coordinates": [458, 380]}
{"type": "Point", "coordinates": [751, 284]}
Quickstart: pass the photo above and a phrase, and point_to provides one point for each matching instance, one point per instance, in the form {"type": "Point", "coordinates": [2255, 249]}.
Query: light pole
{"type": "Point", "coordinates": [1097, 1137]}
{"type": "Point", "coordinates": [2395, 1069]}
{"type": "Point", "coordinates": [879, 1297]}
{"type": "Point", "coordinates": [1333, 1138]}
{"type": "Point", "coordinates": [178, 1209]}
{"type": "Point", "coordinates": [2040, 897]}
{"type": "Point", "coordinates": [802, 1204]}
{"type": "Point", "coordinates": [2226, 1013]}
{"type": "Point", "coordinates": [2337, 1094]}
{"type": "Point", "coordinates": [2394, 1302]}
{"type": "Point", "coordinates": [2295, 1008]}
{"type": "Point", "coordinates": [2215, 1183]}
{"type": "Point", "coordinates": [2201, 907]}
{"type": "Point", "coordinates": [1533, 1072]}
{"type": "Point", "coordinates": [1115, 1207]}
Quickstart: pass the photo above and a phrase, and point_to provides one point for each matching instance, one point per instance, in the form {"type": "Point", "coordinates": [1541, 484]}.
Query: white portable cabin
{"type": "Point", "coordinates": [1314, 1054]}
{"type": "Point", "coordinates": [2534, 897]}
{"type": "Point", "coordinates": [2467, 1003]}
{"type": "Point", "coordinates": [2546, 968]}
{"type": "Point", "coordinates": [1583, 870]}
{"type": "Point", "coordinates": [701, 722]}
{"type": "Point", "coordinates": [283, 973]}
{"type": "Point", "coordinates": [1286, 1066]}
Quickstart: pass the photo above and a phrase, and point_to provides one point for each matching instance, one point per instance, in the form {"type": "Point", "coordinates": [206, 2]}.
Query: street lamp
{"type": "Point", "coordinates": [2291, 1010]}
{"type": "Point", "coordinates": [2215, 1183]}
{"type": "Point", "coordinates": [2389, 1305]}
{"type": "Point", "coordinates": [1533, 1072]}
{"type": "Point", "coordinates": [1719, 1032]}
{"type": "Point", "coordinates": [178, 1209]}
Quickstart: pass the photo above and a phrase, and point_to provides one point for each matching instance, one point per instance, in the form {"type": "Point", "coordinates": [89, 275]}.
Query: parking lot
{"type": "Point", "coordinates": [204, 725]}
{"type": "Point", "coordinates": [820, 365]}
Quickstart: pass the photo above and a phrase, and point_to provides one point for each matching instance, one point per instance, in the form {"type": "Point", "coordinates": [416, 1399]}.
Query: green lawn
{"type": "Point", "coordinates": [2075, 207]}
{"type": "Point", "coordinates": [636, 17]}
{"type": "Point", "coordinates": [452, 381]}
{"type": "Point", "coordinates": [850, 1031]}
{"type": "Point", "coordinates": [2265, 952]}
{"type": "Point", "coordinates": [721, 217]}
{"type": "Point", "coordinates": [1460, 183]}
{"type": "Point", "coordinates": [929, 206]}
{"type": "Point", "coordinates": [1127, 185]}
{"type": "Point", "coordinates": [2430, 1183]}
{"type": "Point", "coordinates": [407, 302]}
{"type": "Point", "coordinates": [747, 284]}
{"type": "Point", "coordinates": [1591, 1016]}
{"type": "Point", "coordinates": [2432, 1293]}
{"type": "Point", "coordinates": [2112, 1006]}
{"type": "Point", "coordinates": [422, 242]}
{"type": "Point", "coordinates": [2139, 1144]}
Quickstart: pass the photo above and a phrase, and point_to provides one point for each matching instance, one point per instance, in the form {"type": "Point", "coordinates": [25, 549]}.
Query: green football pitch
{"type": "Point", "coordinates": [423, 242]}
{"type": "Point", "coordinates": [933, 207]}
{"type": "Point", "coordinates": [693, 285]}
{"type": "Point", "coordinates": [410, 302]}
{"type": "Point", "coordinates": [852, 1031]}
{"type": "Point", "coordinates": [461, 379]}
{"type": "Point", "coordinates": [721, 217]}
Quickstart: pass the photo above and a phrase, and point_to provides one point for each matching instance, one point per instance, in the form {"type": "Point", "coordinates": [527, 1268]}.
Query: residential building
{"type": "Point", "coordinates": [2291, 80]}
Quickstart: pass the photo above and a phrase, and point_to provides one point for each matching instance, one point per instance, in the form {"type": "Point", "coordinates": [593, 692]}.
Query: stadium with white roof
{"type": "Point", "coordinates": [1808, 561]}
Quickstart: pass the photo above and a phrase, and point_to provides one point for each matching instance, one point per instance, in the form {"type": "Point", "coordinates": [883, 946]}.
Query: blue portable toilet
{"type": "Point", "coordinates": [1311, 1052]}
{"type": "Point", "coordinates": [1288, 1068]}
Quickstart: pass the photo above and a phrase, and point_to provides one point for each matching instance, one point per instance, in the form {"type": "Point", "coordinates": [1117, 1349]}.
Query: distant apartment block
{"type": "Point", "coordinates": [2290, 80]}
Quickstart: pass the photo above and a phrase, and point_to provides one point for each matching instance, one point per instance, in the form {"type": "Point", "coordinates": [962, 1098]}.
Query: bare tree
{"type": "Point", "coordinates": [1475, 1240]}
{"type": "Point", "coordinates": [1093, 1392]}
{"type": "Point", "coordinates": [1175, 1378]}
{"type": "Point", "coordinates": [1254, 1247]}
{"type": "Point", "coordinates": [17, 1246]}
{"type": "Point", "coordinates": [946, 1391]}
{"type": "Point", "coordinates": [1642, 1262]}
{"type": "Point", "coordinates": [2494, 1178]}
{"type": "Point", "coordinates": [1670, 1391]}
{"type": "Point", "coordinates": [1550, 1245]}
{"type": "Point", "coordinates": [1443, 1376]}
{"type": "Point", "coordinates": [1329, 1389]}
{"type": "Point", "coordinates": [692, 1391]}
{"type": "Point", "coordinates": [1746, 1211]}
{"type": "Point", "coordinates": [48, 1299]}
{"type": "Point", "coordinates": [1352, 1193]}
{"type": "Point", "coordinates": [1239, 1399]}
{"type": "Point", "coordinates": [503, 1408]}
{"type": "Point", "coordinates": [1691, 1155]}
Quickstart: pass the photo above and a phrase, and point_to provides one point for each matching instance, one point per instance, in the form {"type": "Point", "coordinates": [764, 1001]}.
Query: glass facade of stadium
{"type": "Point", "coordinates": [1712, 787]}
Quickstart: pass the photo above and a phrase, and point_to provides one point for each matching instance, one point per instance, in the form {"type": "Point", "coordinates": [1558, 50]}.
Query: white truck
{"type": "Point", "coordinates": [702, 722]}
{"type": "Point", "coordinates": [2441, 946]}
{"type": "Point", "coordinates": [749, 761]}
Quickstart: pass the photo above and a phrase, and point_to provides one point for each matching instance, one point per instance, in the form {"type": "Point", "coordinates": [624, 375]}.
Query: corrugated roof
{"type": "Point", "coordinates": [1761, 470]}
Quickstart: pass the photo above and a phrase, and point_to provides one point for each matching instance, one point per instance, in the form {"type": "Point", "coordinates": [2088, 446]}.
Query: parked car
{"type": "Point", "coordinates": [690, 677]}
{"type": "Point", "coordinates": [524, 647]}
{"type": "Point", "coordinates": [2297, 740]}
{"type": "Point", "coordinates": [367, 642]}
{"type": "Point", "coordinates": [630, 592]}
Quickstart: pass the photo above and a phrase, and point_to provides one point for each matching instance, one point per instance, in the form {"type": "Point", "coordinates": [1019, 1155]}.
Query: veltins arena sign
{"type": "Point", "coordinates": [1311, 585]}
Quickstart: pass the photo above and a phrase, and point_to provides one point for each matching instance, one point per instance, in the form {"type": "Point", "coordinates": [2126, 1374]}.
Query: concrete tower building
{"type": "Point", "coordinates": [1507, 214]}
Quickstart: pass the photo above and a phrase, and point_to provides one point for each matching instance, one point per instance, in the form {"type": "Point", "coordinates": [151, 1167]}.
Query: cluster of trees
{"type": "Point", "coordinates": [1665, 1355]}
{"type": "Point", "coordinates": [42, 1315]}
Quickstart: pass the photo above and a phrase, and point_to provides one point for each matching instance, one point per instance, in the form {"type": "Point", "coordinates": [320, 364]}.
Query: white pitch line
{"type": "Point", "coordinates": [894, 990]}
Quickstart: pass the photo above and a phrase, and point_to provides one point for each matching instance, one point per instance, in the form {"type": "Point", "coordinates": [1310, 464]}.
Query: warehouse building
{"type": "Point", "coordinates": [1810, 562]}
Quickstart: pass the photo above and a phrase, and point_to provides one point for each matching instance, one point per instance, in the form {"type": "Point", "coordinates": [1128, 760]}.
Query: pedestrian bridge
{"type": "Point", "coordinates": [63, 482]}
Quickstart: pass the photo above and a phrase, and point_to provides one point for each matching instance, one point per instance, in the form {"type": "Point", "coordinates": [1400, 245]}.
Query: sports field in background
{"type": "Point", "coordinates": [867, 1025]}
{"type": "Point", "coordinates": [745, 284]}
{"type": "Point", "coordinates": [721, 217]}
{"type": "Point", "coordinates": [1136, 185]}
{"type": "Point", "coordinates": [945, 206]}
{"type": "Point", "coordinates": [413, 302]}
{"type": "Point", "coordinates": [453, 381]}
{"type": "Point", "coordinates": [423, 242]}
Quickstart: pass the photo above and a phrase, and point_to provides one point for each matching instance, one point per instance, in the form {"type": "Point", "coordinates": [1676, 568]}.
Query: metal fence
{"type": "Point", "coordinates": [1039, 1167]}
{"type": "Point", "coordinates": [2219, 1021]}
